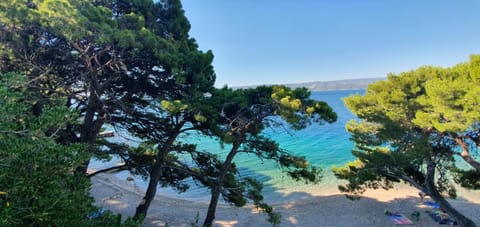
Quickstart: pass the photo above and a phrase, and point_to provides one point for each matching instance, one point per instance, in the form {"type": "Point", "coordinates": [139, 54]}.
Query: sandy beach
{"type": "Point", "coordinates": [302, 209]}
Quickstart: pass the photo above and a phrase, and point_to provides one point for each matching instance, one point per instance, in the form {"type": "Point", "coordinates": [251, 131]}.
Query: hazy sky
{"type": "Point", "coordinates": [285, 41]}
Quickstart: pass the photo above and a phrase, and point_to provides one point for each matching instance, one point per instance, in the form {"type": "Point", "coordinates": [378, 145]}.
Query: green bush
{"type": "Point", "coordinates": [37, 184]}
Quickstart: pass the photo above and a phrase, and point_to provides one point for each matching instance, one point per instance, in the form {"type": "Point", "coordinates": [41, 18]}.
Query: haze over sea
{"type": "Point", "coordinates": [324, 145]}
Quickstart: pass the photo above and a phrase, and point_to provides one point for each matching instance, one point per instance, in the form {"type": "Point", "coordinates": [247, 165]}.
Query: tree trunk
{"type": "Point", "coordinates": [94, 116]}
{"type": "Point", "coordinates": [438, 198]}
{"type": "Point", "coordinates": [155, 174]}
{"type": "Point", "coordinates": [89, 135]}
{"type": "Point", "coordinates": [212, 207]}
{"type": "Point", "coordinates": [466, 154]}
{"type": "Point", "coordinates": [82, 168]}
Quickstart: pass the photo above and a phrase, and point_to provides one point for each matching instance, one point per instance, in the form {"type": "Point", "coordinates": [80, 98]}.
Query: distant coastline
{"type": "Point", "coordinates": [335, 85]}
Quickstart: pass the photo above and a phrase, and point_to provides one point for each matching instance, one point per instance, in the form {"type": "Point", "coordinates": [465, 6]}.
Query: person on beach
{"type": "Point", "coordinates": [422, 195]}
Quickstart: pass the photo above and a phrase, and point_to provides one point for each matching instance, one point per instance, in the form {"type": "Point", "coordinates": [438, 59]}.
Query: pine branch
{"type": "Point", "coordinates": [116, 168]}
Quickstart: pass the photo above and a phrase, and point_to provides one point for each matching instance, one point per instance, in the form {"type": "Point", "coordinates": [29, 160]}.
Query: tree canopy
{"type": "Point", "coordinates": [133, 65]}
{"type": "Point", "coordinates": [36, 180]}
{"type": "Point", "coordinates": [412, 127]}
{"type": "Point", "coordinates": [110, 58]}
{"type": "Point", "coordinates": [242, 116]}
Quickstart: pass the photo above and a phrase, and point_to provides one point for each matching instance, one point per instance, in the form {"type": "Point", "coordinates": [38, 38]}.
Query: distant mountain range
{"type": "Point", "coordinates": [350, 84]}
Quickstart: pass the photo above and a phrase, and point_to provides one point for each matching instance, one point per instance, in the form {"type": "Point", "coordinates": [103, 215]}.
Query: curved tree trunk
{"type": "Point", "coordinates": [155, 174]}
{"type": "Point", "coordinates": [212, 207]}
{"type": "Point", "coordinates": [444, 204]}
{"type": "Point", "coordinates": [466, 154]}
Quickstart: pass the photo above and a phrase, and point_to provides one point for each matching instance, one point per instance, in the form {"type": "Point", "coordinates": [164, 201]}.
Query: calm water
{"type": "Point", "coordinates": [325, 146]}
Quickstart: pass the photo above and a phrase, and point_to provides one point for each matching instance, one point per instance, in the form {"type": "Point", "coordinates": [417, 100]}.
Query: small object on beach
{"type": "Point", "coordinates": [422, 195]}
{"type": "Point", "coordinates": [106, 134]}
{"type": "Point", "coordinates": [114, 196]}
{"type": "Point", "coordinates": [398, 218]}
{"type": "Point", "coordinates": [431, 204]}
{"type": "Point", "coordinates": [416, 215]}
{"type": "Point", "coordinates": [441, 218]}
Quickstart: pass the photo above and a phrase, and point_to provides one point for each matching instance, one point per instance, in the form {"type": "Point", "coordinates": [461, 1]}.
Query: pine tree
{"type": "Point", "coordinates": [411, 127]}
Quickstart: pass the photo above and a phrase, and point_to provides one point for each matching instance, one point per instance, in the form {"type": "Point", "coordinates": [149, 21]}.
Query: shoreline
{"type": "Point", "coordinates": [302, 208]}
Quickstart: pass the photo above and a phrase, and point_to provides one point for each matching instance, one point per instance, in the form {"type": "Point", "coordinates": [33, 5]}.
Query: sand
{"type": "Point", "coordinates": [302, 209]}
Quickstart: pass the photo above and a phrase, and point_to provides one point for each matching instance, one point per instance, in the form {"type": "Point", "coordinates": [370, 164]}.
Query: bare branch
{"type": "Point", "coordinates": [116, 168]}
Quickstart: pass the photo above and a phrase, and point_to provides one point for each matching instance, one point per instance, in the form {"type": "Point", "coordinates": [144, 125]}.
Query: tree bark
{"type": "Point", "coordinates": [438, 198]}
{"type": "Point", "coordinates": [413, 183]}
{"type": "Point", "coordinates": [90, 129]}
{"type": "Point", "coordinates": [156, 173]}
{"type": "Point", "coordinates": [466, 154]}
{"type": "Point", "coordinates": [95, 115]}
{"type": "Point", "coordinates": [212, 207]}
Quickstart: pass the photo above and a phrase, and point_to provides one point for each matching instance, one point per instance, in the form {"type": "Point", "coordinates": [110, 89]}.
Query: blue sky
{"type": "Point", "coordinates": [279, 41]}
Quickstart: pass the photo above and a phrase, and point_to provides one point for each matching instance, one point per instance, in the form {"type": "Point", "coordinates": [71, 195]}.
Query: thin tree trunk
{"type": "Point", "coordinates": [444, 204]}
{"type": "Point", "coordinates": [155, 174]}
{"type": "Point", "coordinates": [413, 183]}
{"type": "Point", "coordinates": [466, 154]}
{"type": "Point", "coordinates": [212, 207]}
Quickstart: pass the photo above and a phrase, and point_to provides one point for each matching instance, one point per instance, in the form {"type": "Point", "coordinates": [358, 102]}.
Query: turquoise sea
{"type": "Point", "coordinates": [324, 145]}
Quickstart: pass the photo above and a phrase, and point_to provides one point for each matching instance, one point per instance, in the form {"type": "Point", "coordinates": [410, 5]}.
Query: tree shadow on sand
{"type": "Point", "coordinates": [297, 208]}
{"type": "Point", "coordinates": [337, 210]}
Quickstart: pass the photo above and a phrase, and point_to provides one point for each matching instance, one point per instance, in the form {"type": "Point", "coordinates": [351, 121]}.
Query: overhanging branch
{"type": "Point", "coordinates": [116, 168]}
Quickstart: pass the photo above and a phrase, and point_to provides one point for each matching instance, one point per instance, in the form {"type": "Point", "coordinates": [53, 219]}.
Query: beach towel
{"type": "Point", "coordinates": [437, 217]}
{"type": "Point", "coordinates": [431, 204]}
{"type": "Point", "coordinates": [399, 219]}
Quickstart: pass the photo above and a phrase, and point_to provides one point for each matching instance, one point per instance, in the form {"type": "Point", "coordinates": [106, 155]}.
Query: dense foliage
{"type": "Point", "coordinates": [36, 173]}
{"type": "Point", "coordinates": [109, 58]}
{"type": "Point", "coordinates": [132, 64]}
{"type": "Point", "coordinates": [413, 127]}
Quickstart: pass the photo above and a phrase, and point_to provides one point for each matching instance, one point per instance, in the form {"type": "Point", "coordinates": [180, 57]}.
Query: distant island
{"type": "Point", "coordinates": [349, 84]}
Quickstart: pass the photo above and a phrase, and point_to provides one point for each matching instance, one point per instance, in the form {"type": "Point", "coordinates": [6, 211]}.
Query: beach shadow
{"type": "Point", "coordinates": [296, 208]}
{"type": "Point", "coordinates": [337, 210]}
{"type": "Point", "coordinates": [304, 209]}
